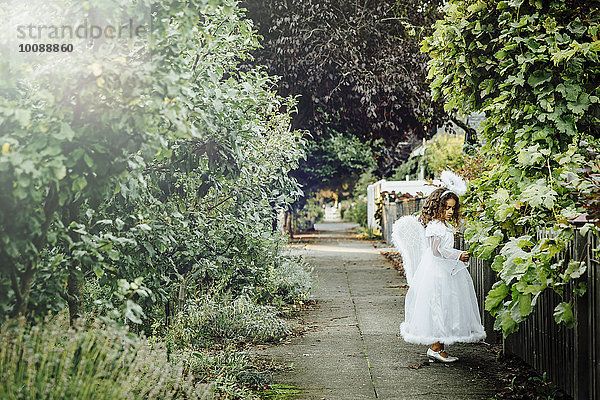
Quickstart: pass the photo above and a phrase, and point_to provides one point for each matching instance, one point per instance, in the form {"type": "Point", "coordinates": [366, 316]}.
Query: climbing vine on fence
{"type": "Point", "coordinates": [533, 68]}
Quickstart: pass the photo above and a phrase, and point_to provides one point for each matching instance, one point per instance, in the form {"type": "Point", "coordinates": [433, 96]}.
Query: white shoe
{"type": "Point", "coordinates": [435, 355]}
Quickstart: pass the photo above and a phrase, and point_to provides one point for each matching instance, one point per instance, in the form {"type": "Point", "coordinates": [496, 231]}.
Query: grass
{"type": "Point", "coordinates": [49, 361]}
{"type": "Point", "coordinates": [205, 319]}
{"type": "Point", "coordinates": [280, 392]}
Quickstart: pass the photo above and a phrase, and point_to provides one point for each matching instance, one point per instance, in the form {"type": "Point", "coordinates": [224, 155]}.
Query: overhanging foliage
{"type": "Point", "coordinates": [533, 68]}
{"type": "Point", "coordinates": [358, 61]}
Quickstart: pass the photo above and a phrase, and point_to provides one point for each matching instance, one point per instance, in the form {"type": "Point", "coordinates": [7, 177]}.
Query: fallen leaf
{"type": "Point", "coordinates": [417, 366]}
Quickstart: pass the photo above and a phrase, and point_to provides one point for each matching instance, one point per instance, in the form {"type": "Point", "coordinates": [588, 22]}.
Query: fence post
{"type": "Point", "coordinates": [389, 213]}
{"type": "Point", "coordinates": [583, 340]}
{"type": "Point", "coordinates": [489, 278]}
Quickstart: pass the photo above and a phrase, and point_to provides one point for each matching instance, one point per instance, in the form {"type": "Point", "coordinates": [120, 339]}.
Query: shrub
{"type": "Point", "coordinates": [443, 151]}
{"type": "Point", "coordinates": [205, 319]}
{"type": "Point", "coordinates": [49, 362]}
{"type": "Point", "coordinates": [291, 279]}
{"type": "Point", "coordinates": [231, 372]}
{"type": "Point", "coordinates": [357, 212]}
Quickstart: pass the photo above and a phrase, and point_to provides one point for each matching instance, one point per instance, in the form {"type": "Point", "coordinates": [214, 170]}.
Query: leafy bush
{"type": "Point", "coordinates": [205, 319]}
{"type": "Point", "coordinates": [291, 279]}
{"type": "Point", "coordinates": [444, 150]}
{"type": "Point", "coordinates": [532, 68]}
{"type": "Point", "coordinates": [357, 211]}
{"type": "Point", "coordinates": [49, 362]}
{"type": "Point", "coordinates": [227, 369]}
{"type": "Point", "coordinates": [171, 168]}
{"type": "Point", "coordinates": [410, 167]}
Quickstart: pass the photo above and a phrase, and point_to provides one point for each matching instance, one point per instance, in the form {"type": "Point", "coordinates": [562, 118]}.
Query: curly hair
{"type": "Point", "coordinates": [435, 206]}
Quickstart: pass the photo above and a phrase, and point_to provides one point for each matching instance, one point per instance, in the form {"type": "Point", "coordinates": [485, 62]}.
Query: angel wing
{"type": "Point", "coordinates": [408, 236]}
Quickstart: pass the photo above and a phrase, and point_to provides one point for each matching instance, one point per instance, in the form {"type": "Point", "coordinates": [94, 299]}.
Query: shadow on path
{"type": "Point", "coordinates": [352, 349]}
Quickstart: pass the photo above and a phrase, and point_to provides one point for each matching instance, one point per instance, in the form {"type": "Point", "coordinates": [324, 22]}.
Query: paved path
{"type": "Point", "coordinates": [352, 349]}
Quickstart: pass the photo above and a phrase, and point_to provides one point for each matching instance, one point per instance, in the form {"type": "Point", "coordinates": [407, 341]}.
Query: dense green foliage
{"type": "Point", "coordinates": [333, 159]}
{"type": "Point", "coordinates": [203, 209]}
{"type": "Point", "coordinates": [140, 175]}
{"type": "Point", "coordinates": [355, 209]}
{"type": "Point", "coordinates": [358, 61]}
{"type": "Point", "coordinates": [443, 151]}
{"type": "Point", "coordinates": [533, 68]}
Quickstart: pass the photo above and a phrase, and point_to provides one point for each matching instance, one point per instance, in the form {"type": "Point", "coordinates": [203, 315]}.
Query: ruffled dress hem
{"type": "Point", "coordinates": [428, 340]}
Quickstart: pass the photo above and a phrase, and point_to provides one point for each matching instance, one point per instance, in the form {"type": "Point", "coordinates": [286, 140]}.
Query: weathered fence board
{"type": "Point", "coordinates": [392, 210]}
{"type": "Point", "coordinates": [569, 357]}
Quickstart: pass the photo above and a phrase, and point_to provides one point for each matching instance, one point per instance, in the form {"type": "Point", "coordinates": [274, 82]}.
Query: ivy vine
{"type": "Point", "coordinates": [532, 67]}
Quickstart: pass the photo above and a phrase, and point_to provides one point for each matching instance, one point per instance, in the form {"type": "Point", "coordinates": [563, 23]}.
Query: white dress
{"type": "Point", "coordinates": [440, 304]}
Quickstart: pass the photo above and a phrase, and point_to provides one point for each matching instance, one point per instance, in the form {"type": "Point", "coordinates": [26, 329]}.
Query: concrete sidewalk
{"type": "Point", "coordinates": [352, 349]}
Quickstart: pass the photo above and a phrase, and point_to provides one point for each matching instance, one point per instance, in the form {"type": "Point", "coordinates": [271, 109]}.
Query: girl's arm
{"type": "Point", "coordinates": [443, 252]}
{"type": "Point", "coordinates": [460, 257]}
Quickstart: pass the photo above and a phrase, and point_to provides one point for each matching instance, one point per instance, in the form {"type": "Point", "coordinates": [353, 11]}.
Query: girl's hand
{"type": "Point", "coordinates": [464, 257]}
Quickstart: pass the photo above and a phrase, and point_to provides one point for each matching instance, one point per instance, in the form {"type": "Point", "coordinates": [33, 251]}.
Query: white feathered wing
{"type": "Point", "coordinates": [408, 236]}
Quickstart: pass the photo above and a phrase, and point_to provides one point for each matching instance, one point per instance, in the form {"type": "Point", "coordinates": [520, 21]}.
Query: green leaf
{"type": "Point", "coordinates": [513, 249]}
{"type": "Point", "coordinates": [60, 172]}
{"type": "Point", "coordinates": [79, 184]}
{"type": "Point", "coordinates": [525, 307]}
{"type": "Point", "coordinates": [66, 133]}
{"type": "Point", "coordinates": [563, 313]}
{"type": "Point", "coordinates": [538, 77]}
{"type": "Point", "coordinates": [539, 195]}
{"type": "Point", "coordinates": [500, 55]}
{"type": "Point", "coordinates": [508, 324]}
{"type": "Point", "coordinates": [498, 263]}
{"type": "Point", "coordinates": [582, 105]}
{"type": "Point", "coordinates": [580, 289]}
{"type": "Point", "coordinates": [575, 269]}
{"type": "Point", "coordinates": [488, 245]}
{"type": "Point", "coordinates": [144, 227]}
{"type": "Point", "coordinates": [504, 211]}
{"type": "Point", "coordinates": [569, 91]}
{"type": "Point", "coordinates": [530, 155]}
{"type": "Point", "coordinates": [88, 160]}
{"type": "Point", "coordinates": [495, 297]}
{"type": "Point", "coordinates": [134, 312]}
{"type": "Point", "coordinates": [98, 270]}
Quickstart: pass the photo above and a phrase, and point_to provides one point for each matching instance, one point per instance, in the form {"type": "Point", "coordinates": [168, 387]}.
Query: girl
{"type": "Point", "coordinates": [441, 307]}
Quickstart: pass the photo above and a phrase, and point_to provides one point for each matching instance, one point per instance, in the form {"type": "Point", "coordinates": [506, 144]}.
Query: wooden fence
{"type": "Point", "coordinates": [392, 210]}
{"type": "Point", "coordinates": [569, 357]}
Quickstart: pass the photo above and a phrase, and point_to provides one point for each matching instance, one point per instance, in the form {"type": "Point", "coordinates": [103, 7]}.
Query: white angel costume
{"type": "Point", "coordinates": [440, 304]}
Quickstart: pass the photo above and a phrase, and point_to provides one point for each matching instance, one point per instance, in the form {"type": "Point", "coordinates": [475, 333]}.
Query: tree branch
{"type": "Point", "coordinates": [470, 133]}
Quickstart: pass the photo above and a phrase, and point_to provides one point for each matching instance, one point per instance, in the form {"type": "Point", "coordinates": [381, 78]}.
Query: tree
{"type": "Point", "coordinates": [332, 159]}
{"type": "Point", "coordinates": [533, 68]}
{"type": "Point", "coordinates": [355, 60]}
{"type": "Point", "coordinates": [70, 123]}
{"type": "Point", "coordinates": [103, 146]}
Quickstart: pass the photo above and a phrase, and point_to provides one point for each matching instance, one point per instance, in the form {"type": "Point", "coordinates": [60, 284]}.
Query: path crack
{"type": "Point", "coordinates": [362, 338]}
